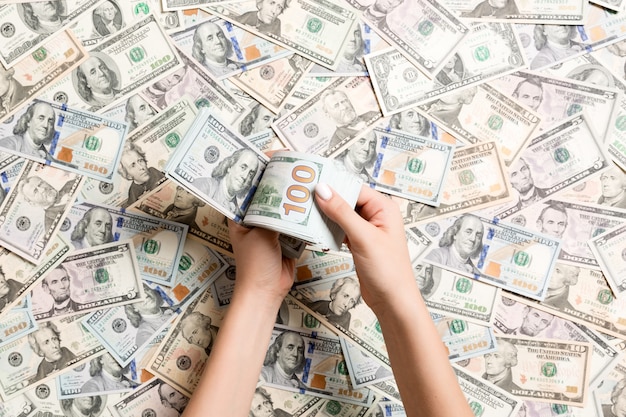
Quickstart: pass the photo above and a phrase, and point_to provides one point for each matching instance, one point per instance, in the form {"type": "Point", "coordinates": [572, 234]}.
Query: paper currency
{"type": "Point", "coordinates": [349, 103]}
{"type": "Point", "coordinates": [484, 398]}
{"type": "Point", "coordinates": [223, 287]}
{"type": "Point", "coordinates": [17, 322]}
{"type": "Point", "coordinates": [463, 339]}
{"type": "Point", "coordinates": [573, 223]}
{"type": "Point", "coordinates": [102, 375]}
{"type": "Point", "coordinates": [66, 138]}
{"type": "Point", "coordinates": [615, 137]}
{"type": "Point", "coordinates": [404, 165]}
{"type": "Point", "coordinates": [608, 397]}
{"type": "Point", "coordinates": [454, 295]}
{"type": "Point", "coordinates": [125, 330]}
{"type": "Point", "coordinates": [544, 370]}
{"type": "Point", "coordinates": [149, 149]}
{"type": "Point", "coordinates": [54, 347]}
{"type": "Point", "coordinates": [477, 179]}
{"type": "Point", "coordinates": [606, 190]}
{"type": "Point", "coordinates": [33, 212]}
{"type": "Point", "coordinates": [18, 276]}
{"type": "Point", "coordinates": [146, 400]}
{"type": "Point", "coordinates": [556, 99]}
{"type": "Point", "coordinates": [417, 242]}
{"type": "Point", "coordinates": [182, 356]}
{"type": "Point", "coordinates": [488, 51]}
{"type": "Point", "coordinates": [424, 31]}
{"type": "Point", "coordinates": [315, 266]}
{"type": "Point", "coordinates": [315, 29]}
{"type": "Point", "coordinates": [27, 27]}
{"type": "Point", "coordinates": [510, 257]}
{"type": "Point", "coordinates": [206, 225]}
{"type": "Point", "coordinates": [89, 279]}
{"type": "Point", "coordinates": [322, 376]}
{"type": "Point", "coordinates": [158, 243]}
{"type": "Point", "coordinates": [193, 83]}
{"type": "Point", "coordinates": [235, 50]}
{"type": "Point", "coordinates": [521, 11]}
{"type": "Point", "coordinates": [540, 52]}
{"type": "Point", "coordinates": [558, 159]}
{"type": "Point", "coordinates": [273, 83]}
{"type": "Point", "coordinates": [34, 73]}
{"type": "Point", "coordinates": [119, 66]}
{"type": "Point", "coordinates": [608, 248]}
{"type": "Point", "coordinates": [362, 369]}
{"type": "Point", "coordinates": [284, 403]}
{"type": "Point", "coordinates": [517, 316]}
{"type": "Point", "coordinates": [183, 4]}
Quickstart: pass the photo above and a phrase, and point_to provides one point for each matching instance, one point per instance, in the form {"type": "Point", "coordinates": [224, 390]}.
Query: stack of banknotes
{"type": "Point", "coordinates": [132, 130]}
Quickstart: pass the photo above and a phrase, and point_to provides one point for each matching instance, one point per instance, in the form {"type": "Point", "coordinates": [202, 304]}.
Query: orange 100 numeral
{"type": "Point", "coordinates": [297, 193]}
{"type": "Point", "coordinates": [95, 168]}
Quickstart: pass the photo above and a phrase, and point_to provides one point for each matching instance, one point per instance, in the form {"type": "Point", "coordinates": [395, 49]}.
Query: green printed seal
{"type": "Point", "coordinates": [548, 369]}
{"type": "Point", "coordinates": [101, 275]}
{"type": "Point", "coordinates": [333, 407]}
{"type": "Point", "coordinates": [477, 408]}
{"type": "Point", "coordinates": [466, 177]}
{"type": "Point", "coordinates": [495, 122]}
{"type": "Point", "coordinates": [482, 53]}
{"type": "Point", "coordinates": [137, 54]}
{"type": "Point", "coordinates": [463, 285]}
{"type": "Point", "coordinates": [620, 123]}
{"type": "Point", "coordinates": [416, 165]}
{"type": "Point", "coordinates": [521, 258]}
{"type": "Point", "coordinates": [314, 25]}
{"type": "Point", "coordinates": [185, 263]}
{"type": "Point", "coordinates": [573, 109]}
{"type": "Point", "coordinates": [141, 8]}
{"type": "Point", "coordinates": [40, 54]}
{"type": "Point", "coordinates": [310, 322]}
{"type": "Point", "coordinates": [425, 27]}
{"type": "Point", "coordinates": [172, 139]}
{"type": "Point", "coordinates": [377, 327]}
{"type": "Point", "coordinates": [92, 143]}
{"type": "Point", "coordinates": [457, 326]}
{"type": "Point", "coordinates": [342, 368]}
{"type": "Point", "coordinates": [202, 102]}
{"type": "Point", "coordinates": [559, 409]}
{"type": "Point", "coordinates": [561, 155]}
{"type": "Point", "coordinates": [151, 246]}
{"type": "Point", "coordinates": [604, 296]}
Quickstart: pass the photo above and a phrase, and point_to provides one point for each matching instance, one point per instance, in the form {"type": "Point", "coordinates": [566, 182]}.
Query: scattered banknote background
{"type": "Point", "coordinates": [498, 127]}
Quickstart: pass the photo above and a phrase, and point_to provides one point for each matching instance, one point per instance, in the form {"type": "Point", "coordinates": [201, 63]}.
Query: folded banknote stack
{"type": "Point", "coordinates": [132, 130]}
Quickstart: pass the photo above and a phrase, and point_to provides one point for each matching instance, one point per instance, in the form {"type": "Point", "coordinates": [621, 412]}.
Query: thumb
{"type": "Point", "coordinates": [337, 209]}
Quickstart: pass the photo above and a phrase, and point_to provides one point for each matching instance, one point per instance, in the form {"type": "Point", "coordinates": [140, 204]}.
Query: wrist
{"type": "Point", "coordinates": [263, 301]}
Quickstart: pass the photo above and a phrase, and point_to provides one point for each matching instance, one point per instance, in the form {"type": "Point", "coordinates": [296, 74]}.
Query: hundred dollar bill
{"type": "Point", "coordinates": [89, 279]}
{"type": "Point", "coordinates": [34, 73]}
{"type": "Point", "coordinates": [334, 408]}
{"type": "Point", "coordinates": [150, 147]}
{"type": "Point", "coordinates": [321, 376]}
{"type": "Point", "coordinates": [273, 83]}
{"type": "Point", "coordinates": [17, 322]}
{"type": "Point", "coordinates": [349, 102]}
{"type": "Point", "coordinates": [463, 339]}
{"type": "Point", "coordinates": [223, 287]}
{"type": "Point", "coordinates": [62, 137]}
{"type": "Point", "coordinates": [488, 51]}
{"type": "Point", "coordinates": [511, 257]}
{"type": "Point", "coordinates": [573, 223]}
{"type": "Point", "coordinates": [28, 27]}
{"type": "Point", "coordinates": [477, 179]}
{"type": "Point", "coordinates": [193, 83]}
{"type": "Point", "coordinates": [285, 403]}
{"type": "Point", "coordinates": [417, 242]}
{"type": "Point", "coordinates": [315, 266]}
{"type": "Point", "coordinates": [616, 137]}
{"type": "Point", "coordinates": [454, 295]}
{"type": "Point", "coordinates": [291, 314]}
{"type": "Point", "coordinates": [147, 400]}
{"type": "Point", "coordinates": [54, 347]}
{"type": "Point", "coordinates": [125, 330]}
{"type": "Point", "coordinates": [424, 31]}
{"type": "Point", "coordinates": [404, 165]}
{"type": "Point", "coordinates": [134, 111]}
{"type": "Point", "coordinates": [118, 67]}
{"type": "Point", "coordinates": [556, 99]}
{"type": "Point", "coordinates": [158, 243]}
{"type": "Point", "coordinates": [206, 225]}
{"type": "Point", "coordinates": [521, 11]}
{"type": "Point", "coordinates": [363, 370]}
{"type": "Point", "coordinates": [239, 49]}
{"type": "Point", "coordinates": [485, 399]}
{"type": "Point", "coordinates": [537, 409]}
{"type": "Point", "coordinates": [182, 355]}
{"type": "Point", "coordinates": [544, 370]}
{"type": "Point", "coordinates": [283, 200]}
{"type": "Point", "coordinates": [517, 316]}
{"type": "Point", "coordinates": [489, 116]}
{"type": "Point", "coordinates": [33, 211]}
{"type": "Point", "coordinates": [102, 376]}
{"type": "Point", "coordinates": [109, 17]}
{"type": "Point", "coordinates": [610, 252]}
{"type": "Point", "coordinates": [608, 397]}
{"type": "Point", "coordinates": [316, 29]}
{"type": "Point", "coordinates": [558, 159]}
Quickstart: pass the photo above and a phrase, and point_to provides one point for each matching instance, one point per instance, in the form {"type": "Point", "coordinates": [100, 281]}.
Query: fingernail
{"type": "Point", "coordinates": [323, 190]}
